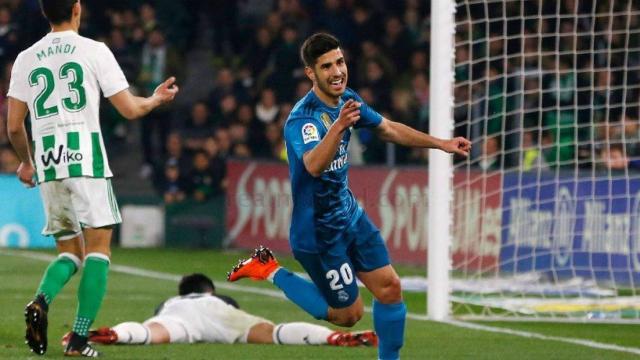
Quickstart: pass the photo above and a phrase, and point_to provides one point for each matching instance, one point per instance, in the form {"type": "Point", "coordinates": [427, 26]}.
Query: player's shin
{"type": "Point", "coordinates": [57, 275]}
{"type": "Point", "coordinates": [93, 286]}
{"type": "Point", "coordinates": [388, 320]}
{"type": "Point", "coordinates": [302, 292]}
{"type": "Point", "coordinates": [300, 333]}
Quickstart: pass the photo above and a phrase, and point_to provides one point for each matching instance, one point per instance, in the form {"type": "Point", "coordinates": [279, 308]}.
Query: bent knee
{"type": "Point", "coordinates": [101, 250]}
{"type": "Point", "coordinates": [391, 293]}
{"type": "Point", "coordinates": [352, 320]}
{"type": "Point", "coordinates": [349, 317]}
{"type": "Point", "coordinates": [71, 246]}
{"type": "Point", "coordinates": [98, 240]}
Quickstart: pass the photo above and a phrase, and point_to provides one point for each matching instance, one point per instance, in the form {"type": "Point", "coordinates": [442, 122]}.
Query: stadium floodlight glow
{"type": "Point", "coordinates": [541, 222]}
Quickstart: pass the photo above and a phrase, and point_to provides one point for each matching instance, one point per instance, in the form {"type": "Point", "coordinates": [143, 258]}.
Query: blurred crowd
{"type": "Point", "coordinates": [257, 75]}
{"type": "Point", "coordinates": [528, 82]}
{"type": "Point", "coordinates": [549, 85]}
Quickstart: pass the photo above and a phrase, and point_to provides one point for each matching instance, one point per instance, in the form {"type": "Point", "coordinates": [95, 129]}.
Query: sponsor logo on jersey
{"type": "Point", "coordinates": [326, 120]}
{"type": "Point", "coordinates": [310, 133]}
{"type": "Point", "coordinates": [341, 159]}
{"type": "Point", "coordinates": [343, 148]}
{"type": "Point", "coordinates": [338, 163]}
{"type": "Point", "coordinates": [61, 156]}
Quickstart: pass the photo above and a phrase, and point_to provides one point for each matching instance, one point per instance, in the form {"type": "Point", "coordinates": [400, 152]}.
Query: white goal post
{"type": "Point", "coordinates": [440, 164]}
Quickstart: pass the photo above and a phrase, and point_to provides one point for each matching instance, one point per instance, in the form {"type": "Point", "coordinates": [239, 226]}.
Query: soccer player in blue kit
{"type": "Point", "coordinates": [330, 235]}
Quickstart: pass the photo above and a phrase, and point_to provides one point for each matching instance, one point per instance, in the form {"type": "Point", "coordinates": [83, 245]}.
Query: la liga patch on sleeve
{"type": "Point", "coordinates": [310, 133]}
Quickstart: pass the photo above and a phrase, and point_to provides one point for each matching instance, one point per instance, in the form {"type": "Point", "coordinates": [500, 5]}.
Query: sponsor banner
{"type": "Point", "coordinates": [477, 221]}
{"type": "Point", "coordinates": [587, 227]}
{"type": "Point", "coordinates": [21, 215]}
{"type": "Point", "coordinates": [259, 208]}
{"type": "Point", "coordinates": [258, 205]}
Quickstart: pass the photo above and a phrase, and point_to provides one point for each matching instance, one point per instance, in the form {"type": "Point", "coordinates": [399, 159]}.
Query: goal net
{"type": "Point", "coordinates": [546, 210]}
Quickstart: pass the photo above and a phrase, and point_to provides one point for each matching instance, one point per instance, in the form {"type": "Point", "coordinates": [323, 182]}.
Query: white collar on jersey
{"type": "Point", "coordinates": [62, 33]}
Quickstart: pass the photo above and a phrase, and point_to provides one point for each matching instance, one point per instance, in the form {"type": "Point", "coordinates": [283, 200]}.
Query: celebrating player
{"type": "Point", "coordinates": [58, 81]}
{"type": "Point", "coordinates": [330, 234]}
{"type": "Point", "coordinates": [198, 314]}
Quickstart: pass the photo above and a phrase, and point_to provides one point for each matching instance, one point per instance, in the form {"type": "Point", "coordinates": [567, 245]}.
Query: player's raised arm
{"type": "Point", "coordinates": [133, 107]}
{"type": "Point", "coordinates": [319, 158]}
{"type": "Point", "coordinates": [402, 134]}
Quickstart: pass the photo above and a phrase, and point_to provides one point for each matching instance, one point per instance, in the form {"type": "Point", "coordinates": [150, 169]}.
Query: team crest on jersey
{"type": "Point", "coordinates": [343, 296]}
{"type": "Point", "coordinates": [310, 133]}
{"type": "Point", "coordinates": [326, 120]}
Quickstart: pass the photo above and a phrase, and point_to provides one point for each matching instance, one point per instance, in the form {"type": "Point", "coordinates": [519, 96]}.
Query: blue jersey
{"type": "Point", "coordinates": [323, 207]}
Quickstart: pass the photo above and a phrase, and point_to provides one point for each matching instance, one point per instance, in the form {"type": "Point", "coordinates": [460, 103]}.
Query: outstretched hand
{"type": "Point", "coordinates": [459, 145]}
{"type": "Point", "coordinates": [166, 91]}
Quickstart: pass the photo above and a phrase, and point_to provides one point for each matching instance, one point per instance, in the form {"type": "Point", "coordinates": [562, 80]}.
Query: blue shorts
{"type": "Point", "coordinates": [359, 249]}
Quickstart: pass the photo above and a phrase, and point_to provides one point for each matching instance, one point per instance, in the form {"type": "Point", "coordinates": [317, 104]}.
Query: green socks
{"type": "Point", "coordinates": [57, 275]}
{"type": "Point", "coordinates": [93, 286]}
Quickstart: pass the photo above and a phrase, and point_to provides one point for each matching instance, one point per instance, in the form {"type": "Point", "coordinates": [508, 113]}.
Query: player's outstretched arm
{"type": "Point", "coordinates": [133, 107]}
{"type": "Point", "coordinates": [18, 138]}
{"type": "Point", "coordinates": [320, 157]}
{"type": "Point", "coordinates": [402, 134]}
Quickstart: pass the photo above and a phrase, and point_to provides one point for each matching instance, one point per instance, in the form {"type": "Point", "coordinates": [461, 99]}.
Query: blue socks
{"type": "Point", "coordinates": [302, 292]}
{"type": "Point", "coordinates": [388, 321]}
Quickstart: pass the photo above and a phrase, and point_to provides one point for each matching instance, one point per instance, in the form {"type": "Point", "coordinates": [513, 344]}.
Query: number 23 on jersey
{"type": "Point", "coordinates": [72, 75]}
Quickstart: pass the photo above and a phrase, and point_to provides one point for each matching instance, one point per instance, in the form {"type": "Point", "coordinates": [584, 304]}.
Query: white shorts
{"type": "Point", "coordinates": [206, 320]}
{"type": "Point", "coordinates": [175, 327]}
{"type": "Point", "coordinates": [75, 203]}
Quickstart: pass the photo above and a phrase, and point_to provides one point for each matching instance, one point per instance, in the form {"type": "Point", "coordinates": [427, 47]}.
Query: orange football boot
{"type": "Point", "coordinates": [258, 267]}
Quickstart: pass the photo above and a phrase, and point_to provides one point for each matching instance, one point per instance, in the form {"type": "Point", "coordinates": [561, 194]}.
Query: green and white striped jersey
{"type": "Point", "coordinates": [60, 78]}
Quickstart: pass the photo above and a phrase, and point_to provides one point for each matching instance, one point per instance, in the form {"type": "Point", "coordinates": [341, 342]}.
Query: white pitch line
{"type": "Point", "coordinates": [130, 270]}
{"type": "Point", "coordinates": [526, 334]}
{"type": "Point", "coordinates": [176, 278]}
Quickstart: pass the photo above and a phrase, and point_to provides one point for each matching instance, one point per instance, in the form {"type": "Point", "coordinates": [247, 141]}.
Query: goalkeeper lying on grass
{"type": "Point", "coordinates": [198, 314]}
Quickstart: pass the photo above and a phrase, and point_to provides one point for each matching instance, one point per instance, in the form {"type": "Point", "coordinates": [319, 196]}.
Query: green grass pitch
{"type": "Point", "coordinates": [133, 297]}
